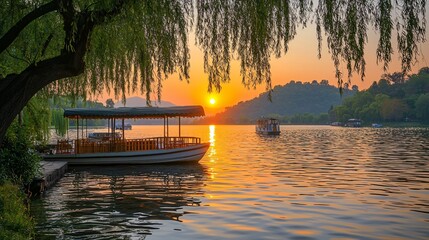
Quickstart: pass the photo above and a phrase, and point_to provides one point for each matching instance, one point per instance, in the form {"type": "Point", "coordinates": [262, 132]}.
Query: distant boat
{"type": "Point", "coordinates": [337, 124]}
{"type": "Point", "coordinates": [268, 126]}
{"type": "Point", "coordinates": [353, 122]}
{"type": "Point", "coordinates": [127, 126]}
{"type": "Point", "coordinates": [377, 125]}
{"type": "Point", "coordinates": [106, 148]}
{"type": "Point", "coordinates": [103, 136]}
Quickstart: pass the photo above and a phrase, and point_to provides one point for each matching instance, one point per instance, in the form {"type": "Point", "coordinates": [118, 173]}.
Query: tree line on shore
{"type": "Point", "coordinates": [394, 98]}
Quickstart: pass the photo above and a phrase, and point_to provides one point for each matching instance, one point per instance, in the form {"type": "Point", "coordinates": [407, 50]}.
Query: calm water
{"type": "Point", "coordinates": [311, 182]}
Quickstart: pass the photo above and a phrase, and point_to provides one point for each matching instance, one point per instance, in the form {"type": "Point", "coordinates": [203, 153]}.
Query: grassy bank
{"type": "Point", "coordinates": [15, 222]}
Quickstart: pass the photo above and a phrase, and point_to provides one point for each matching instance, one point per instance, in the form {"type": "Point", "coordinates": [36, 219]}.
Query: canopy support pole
{"type": "Point", "coordinates": [164, 126]}
{"type": "Point", "coordinates": [77, 135]}
{"type": "Point", "coordinates": [168, 134]}
{"type": "Point", "coordinates": [77, 128]}
{"type": "Point", "coordinates": [123, 128]}
{"type": "Point", "coordinates": [114, 130]}
{"type": "Point", "coordinates": [179, 128]}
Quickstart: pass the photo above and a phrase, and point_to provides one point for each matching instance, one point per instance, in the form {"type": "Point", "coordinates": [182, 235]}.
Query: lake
{"type": "Point", "coordinates": [311, 182]}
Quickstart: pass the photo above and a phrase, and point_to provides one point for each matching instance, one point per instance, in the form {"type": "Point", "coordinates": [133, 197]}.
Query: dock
{"type": "Point", "coordinates": [51, 172]}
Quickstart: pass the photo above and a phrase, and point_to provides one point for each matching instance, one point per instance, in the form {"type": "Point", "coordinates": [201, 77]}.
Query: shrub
{"type": "Point", "coordinates": [19, 163]}
{"type": "Point", "coordinates": [15, 221]}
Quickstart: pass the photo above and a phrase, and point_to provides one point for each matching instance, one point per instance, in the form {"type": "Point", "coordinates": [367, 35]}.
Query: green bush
{"type": "Point", "coordinates": [15, 222]}
{"type": "Point", "coordinates": [19, 163]}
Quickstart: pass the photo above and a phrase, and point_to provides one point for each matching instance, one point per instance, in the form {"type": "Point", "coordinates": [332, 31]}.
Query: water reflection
{"type": "Point", "coordinates": [311, 182]}
{"type": "Point", "coordinates": [118, 202]}
{"type": "Point", "coordinates": [212, 134]}
{"type": "Point", "coordinates": [211, 154]}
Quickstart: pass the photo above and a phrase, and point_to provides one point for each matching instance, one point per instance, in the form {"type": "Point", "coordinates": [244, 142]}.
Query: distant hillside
{"type": "Point", "coordinates": [395, 98]}
{"type": "Point", "coordinates": [141, 102]}
{"type": "Point", "coordinates": [290, 99]}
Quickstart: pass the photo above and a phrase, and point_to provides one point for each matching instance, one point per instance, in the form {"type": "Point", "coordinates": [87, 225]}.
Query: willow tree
{"type": "Point", "coordinates": [84, 46]}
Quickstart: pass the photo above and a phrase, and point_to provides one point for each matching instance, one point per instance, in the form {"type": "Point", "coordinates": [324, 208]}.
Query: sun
{"type": "Point", "coordinates": [212, 101]}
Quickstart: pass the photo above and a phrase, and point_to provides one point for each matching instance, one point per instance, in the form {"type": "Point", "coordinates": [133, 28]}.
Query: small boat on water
{"type": "Point", "coordinates": [111, 147]}
{"type": "Point", "coordinates": [268, 126]}
{"type": "Point", "coordinates": [353, 122]}
{"type": "Point", "coordinates": [103, 136]}
{"type": "Point", "coordinates": [377, 125]}
{"type": "Point", "coordinates": [337, 124]}
{"type": "Point", "coordinates": [126, 126]}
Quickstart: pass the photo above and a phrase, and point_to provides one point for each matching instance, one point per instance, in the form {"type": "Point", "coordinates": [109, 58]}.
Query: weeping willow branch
{"type": "Point", "coordinates": [125, 46]}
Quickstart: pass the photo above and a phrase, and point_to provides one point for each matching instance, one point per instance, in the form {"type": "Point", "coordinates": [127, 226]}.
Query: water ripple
{"type": "Point", "coordinates": [310, 182]}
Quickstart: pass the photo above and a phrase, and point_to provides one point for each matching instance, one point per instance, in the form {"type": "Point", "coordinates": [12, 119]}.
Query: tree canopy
{"type": "Point", "coordinates": [389, 101]}
{"type": "Point", "coordinates": [131, 45]}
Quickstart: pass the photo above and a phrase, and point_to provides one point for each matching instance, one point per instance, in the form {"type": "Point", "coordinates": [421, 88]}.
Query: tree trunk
{"type": "Point", "coordinates": [17, 89]}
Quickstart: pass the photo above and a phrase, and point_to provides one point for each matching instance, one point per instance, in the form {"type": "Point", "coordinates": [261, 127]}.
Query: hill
{"type": "Point", "coordinates": [141, 102]}
{"type": "Point", "coordinates": [394, 98]}
{"type": "Point", "coordinates": [288, 100]}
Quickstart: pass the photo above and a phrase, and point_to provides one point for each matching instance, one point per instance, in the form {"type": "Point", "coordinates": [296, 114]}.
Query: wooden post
{"type": "Point", "coordinates": [168, 134]}
{"type": "Point", "coordinates": [81, 129]}
{"type": "Point", "coordinates": [123, 134]}
{"type": "Point", "coordinates": [108, 125]}
{"type": "Point", "coordinates": [77, 135]}
{"type": "Point", "coordinates": [179, 128]}
{"type": "Point", "coordinates": [113, 134]}
{"type": "Point", "coordinates": [164, 127]}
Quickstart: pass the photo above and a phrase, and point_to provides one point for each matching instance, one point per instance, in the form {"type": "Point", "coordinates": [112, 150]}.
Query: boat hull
{"type": "Point", "coordinates": [192, 153]}
{"type": "Point", "coordinates": [268, 133]}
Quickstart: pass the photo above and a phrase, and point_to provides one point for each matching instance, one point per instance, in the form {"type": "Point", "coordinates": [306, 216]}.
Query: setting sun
{"type": "Point", "coordinates": [212, 101]}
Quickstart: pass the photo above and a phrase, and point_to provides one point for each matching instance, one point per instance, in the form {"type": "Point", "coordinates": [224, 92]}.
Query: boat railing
{"type": "Point", "coordinates": [124, 145]}
{"type": "Point", "coordinates": [65, 146]}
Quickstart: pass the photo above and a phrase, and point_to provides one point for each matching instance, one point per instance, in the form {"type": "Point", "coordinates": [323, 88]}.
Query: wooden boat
{"type": "Point", "coordinates": [337, 124]}
{"type": "Point", "coordinates": [127, 126]}
{"type": "Point", "coordinates": [114, 148]}
{"type": "Point", "coordinates": [353, 122]}
{"type": "Point", "coordinates": [268, 126]}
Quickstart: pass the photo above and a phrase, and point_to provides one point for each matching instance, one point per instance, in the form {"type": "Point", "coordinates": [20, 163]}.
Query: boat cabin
{"type": "Point", "coordinates": [269, 126]}
{"type": "Point", "coordinates": [353, 122]}
{"type": "Point", "coordinates": [113, 147]}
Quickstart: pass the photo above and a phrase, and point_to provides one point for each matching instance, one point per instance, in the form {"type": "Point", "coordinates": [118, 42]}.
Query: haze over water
{"type": "Point", "coordinates": [311, 182]}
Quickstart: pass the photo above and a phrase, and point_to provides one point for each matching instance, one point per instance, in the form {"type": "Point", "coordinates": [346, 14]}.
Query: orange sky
{"type": "Point", "coordinates": [300, 64]}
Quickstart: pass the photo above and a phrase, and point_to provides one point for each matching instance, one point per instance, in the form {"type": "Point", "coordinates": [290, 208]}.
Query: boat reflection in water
{"type": "Point", "coordinates": [119, 202]}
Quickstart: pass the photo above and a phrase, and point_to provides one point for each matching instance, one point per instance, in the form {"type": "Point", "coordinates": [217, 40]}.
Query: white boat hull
{"type": "Point", "coordinates": [186, 154]}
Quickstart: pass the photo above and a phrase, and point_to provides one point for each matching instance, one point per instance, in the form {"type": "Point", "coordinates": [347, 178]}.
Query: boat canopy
{"type": "Point", "coordinates": [134, 112]}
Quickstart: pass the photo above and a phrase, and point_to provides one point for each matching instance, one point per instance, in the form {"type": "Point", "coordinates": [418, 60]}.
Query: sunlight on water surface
{"type": "Point", "coordinates": [311, 182]}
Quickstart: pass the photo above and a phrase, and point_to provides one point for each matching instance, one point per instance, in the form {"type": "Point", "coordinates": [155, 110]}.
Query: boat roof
{"type": "Point", "coordinates": [134, 112]}
{"type": "Point", "coordinates": [265, 119]}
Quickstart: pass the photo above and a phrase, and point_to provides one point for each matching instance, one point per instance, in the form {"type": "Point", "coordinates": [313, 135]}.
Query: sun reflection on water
{"type": "Point", "coordinates": [212, 131]}
{"type": "Point", "coordinates": [212, 152]}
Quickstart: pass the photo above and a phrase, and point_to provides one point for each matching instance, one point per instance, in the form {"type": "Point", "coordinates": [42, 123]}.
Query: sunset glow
{"type": "Point", "coordinates": [299, 64]}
